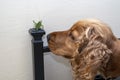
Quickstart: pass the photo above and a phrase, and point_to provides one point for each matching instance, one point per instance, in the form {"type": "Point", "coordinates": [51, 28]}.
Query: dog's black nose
{"type": "Point", "coordinates": [48, 37]}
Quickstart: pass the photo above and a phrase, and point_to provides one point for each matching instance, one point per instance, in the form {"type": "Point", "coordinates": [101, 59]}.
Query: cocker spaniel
{"type": "Point", "coordinates": [91, 48]}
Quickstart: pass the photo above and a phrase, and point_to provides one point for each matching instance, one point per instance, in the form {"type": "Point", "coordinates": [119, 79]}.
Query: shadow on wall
{"type": "Point", "coordinates": [61, 60]}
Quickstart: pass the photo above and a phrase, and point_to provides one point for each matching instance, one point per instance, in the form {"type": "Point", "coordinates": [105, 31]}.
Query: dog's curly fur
{"type": "Point", "coordinates": [91, 48]}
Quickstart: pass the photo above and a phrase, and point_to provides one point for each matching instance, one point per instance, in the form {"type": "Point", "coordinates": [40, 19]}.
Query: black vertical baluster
{"type": "Point", "coordinates": [38, 57]}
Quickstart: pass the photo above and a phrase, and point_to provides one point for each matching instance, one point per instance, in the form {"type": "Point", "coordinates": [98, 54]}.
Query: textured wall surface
{"type": "Point", "coordinates": [15, 42]}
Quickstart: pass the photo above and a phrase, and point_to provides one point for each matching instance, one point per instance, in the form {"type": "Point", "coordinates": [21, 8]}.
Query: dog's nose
{"type": "Point", "coordinates": [48, 37]}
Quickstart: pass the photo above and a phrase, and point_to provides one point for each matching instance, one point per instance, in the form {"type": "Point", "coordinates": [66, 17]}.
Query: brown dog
{"type": "Point", "coordinates": [91, 48]}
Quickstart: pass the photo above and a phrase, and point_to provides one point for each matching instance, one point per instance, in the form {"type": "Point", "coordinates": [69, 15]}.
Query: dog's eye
{"type": "Point", "coordinates": [71, 36]}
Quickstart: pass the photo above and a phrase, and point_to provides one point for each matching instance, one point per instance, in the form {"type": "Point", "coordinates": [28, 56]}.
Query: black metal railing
{"type": "Point", "coordinates": [38, 56]}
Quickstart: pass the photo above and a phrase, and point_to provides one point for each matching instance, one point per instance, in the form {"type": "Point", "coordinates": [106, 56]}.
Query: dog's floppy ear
{"type": "Point", "coordinates": [95, 59]}
{"type": "Point", "coordinates": [90, 32]}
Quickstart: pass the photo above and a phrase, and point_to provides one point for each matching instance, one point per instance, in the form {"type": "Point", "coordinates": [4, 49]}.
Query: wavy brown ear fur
{"type": "Point", "coordinates": [94, 55]}
{"type": "Point", "coordinates": [92, 59]}
{"type": "Point", "coordinates": [90, 34]}
{"type": "Point", "coordinates": [90, 31]}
